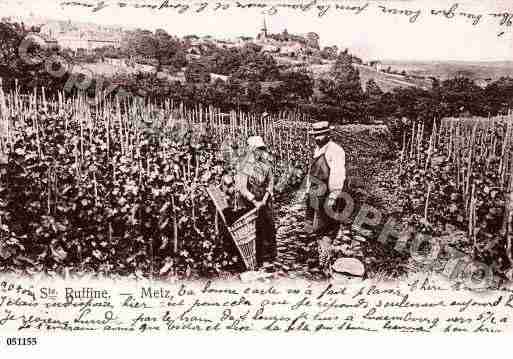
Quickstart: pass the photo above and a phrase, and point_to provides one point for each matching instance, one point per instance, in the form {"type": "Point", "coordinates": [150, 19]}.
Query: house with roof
{"type": "Point", "coordinates": [287, 44]}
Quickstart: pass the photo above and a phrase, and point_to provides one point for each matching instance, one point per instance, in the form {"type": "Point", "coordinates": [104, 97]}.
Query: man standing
{"type": "Point", "coordinates": [325, 182]}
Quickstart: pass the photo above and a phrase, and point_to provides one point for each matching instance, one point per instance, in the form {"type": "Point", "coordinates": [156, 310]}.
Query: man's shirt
{"type": "Point", "coordinates": [336, 159]}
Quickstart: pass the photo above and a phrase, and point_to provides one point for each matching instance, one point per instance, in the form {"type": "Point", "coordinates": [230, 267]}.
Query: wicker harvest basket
{"type": "Point", "coordinates": [243, 232]}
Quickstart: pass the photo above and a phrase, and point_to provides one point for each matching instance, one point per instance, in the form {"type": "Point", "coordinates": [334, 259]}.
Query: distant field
{"type": "Point", "coordinates": [445, 70]}
{"type": "Point", "coordinates": [386, 82]}
{"type": "Point", "coordinates": [108, 70]}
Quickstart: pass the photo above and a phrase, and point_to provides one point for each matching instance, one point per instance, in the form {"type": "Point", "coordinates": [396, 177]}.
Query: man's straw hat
{"type": "Point", "coordinates": [321, 128]}
{"type": "Point", "coordinates": [348, 267]}
{"type": "Point", "coordinates": [256, 142]}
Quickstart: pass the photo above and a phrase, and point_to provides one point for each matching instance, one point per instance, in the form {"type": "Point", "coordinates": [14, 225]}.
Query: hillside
{"type": "Point", "coordinates": [449, 69]}
{"type": "Point", "coordinates": [386, 82]}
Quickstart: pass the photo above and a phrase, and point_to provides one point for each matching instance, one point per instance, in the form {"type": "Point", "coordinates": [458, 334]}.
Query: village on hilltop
{"type": "Point", "coordinates": [290, 49]}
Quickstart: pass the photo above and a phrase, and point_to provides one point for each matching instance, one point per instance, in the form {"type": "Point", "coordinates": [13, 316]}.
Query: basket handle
{"type": "Point", "coordinates": [219, 210]}
{"type": "Point", "coordinates": [250, 213]}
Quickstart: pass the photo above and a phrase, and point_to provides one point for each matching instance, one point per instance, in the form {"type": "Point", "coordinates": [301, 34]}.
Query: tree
{"type": "Point", "coordinates": [197, 72]}
{"type": "Point", "coordinates": [297, 85]}
{"type": "Point", "coordinates": [459, 95]}
{"type": "Point", "coordinates": [373, 95]}
{"type": "Point", "coordinates": [435, 83]}
{"type": "Point", "coordinates": [179, 60]}
{"type": "Point", "coordinates": [329, 52]}
{"type": "Point", "coordinates": [499, 96]}
{"type": "Point", "coordinates": [258, 67]}
{"type": "Point", "coordinates": [159, 46]}
{"type": "Point", "coordinates": [460, 73]}
{"type": "Point", "coordinates": [253, 91]}
{"type": "Point", "coordinates": [341, 91]}
{"type": "Point", "coordinates": [234, 91]}
{"type": "Point", "coordinates": [251, 47]}
{"type": "Point", "coordinates": [342, 84]}
{"type": "Point", "coordinates": [11, 36]}
{"type": "Point", "coordinates": [24, 57]}
{"type": "Point", "coordinates": [372, 89]}
{"type": "Point", "coordinates": [225, 61]}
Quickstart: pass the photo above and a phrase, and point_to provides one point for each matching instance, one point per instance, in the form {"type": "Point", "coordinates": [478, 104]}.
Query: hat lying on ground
{"type": "Point", "coordinates": [321, 128]}
{"type": "Point", "coordinates": [256, 142]}
{"type": "Point", "coordinates": [349, 267]}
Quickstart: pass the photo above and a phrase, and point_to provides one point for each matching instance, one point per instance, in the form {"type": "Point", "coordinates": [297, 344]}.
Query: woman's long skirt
{"type": "Point", "coordinates": [266, 249]}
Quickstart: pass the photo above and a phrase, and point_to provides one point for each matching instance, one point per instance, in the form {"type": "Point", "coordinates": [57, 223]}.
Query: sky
{"type": "Point", "coordinates": [372, 34]}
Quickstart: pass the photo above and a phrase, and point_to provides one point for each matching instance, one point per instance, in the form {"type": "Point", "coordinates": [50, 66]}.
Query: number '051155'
{"type": "Point", "coordinates": [21, 341]}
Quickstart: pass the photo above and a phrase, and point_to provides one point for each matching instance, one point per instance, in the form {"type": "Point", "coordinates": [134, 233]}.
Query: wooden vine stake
{"type": "Point", "coordinates": [508, 219]}
{"type": "Point", "coordinates": [472, 219]}
{"type": "Point", "coordinates": [426, 207]}
{"type": "Point", "coordinates": [508, 224]}
{"type": "Point", "coordinates": [175, 226]}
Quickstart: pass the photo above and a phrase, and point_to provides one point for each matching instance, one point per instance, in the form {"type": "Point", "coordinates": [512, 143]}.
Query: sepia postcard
{"type": "Point", "coordinates": [308, 167]}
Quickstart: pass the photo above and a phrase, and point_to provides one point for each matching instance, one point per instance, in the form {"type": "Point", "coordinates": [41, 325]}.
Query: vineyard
{"type": "Point", "coordinates": [456, 181]}
{"type": "Point", "coordinates": [116, 186]}
{"type": "Point", "coordinates": [119, 187]}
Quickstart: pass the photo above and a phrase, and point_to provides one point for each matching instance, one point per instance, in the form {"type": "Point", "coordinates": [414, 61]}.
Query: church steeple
{"type": "Point", "coordinates": [264, 29]}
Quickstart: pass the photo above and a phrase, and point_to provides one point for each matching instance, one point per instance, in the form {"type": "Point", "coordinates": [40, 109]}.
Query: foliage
{"type": "Point", "coordinates": [461, 95]}
{"type": "Point", "coordinates": [342, 84]}
{"type": "Point", "coordinates": [247, 63]}
{"type": "Point", "coordinates": [260, 67]}
{"type": "Point", "coordinates": [329, 52]}
{"type": "Point", "coordinates": [373, 90]}
{"type": "Point", "coordinates": [197, 72]}
{"type": "Point", "coordinates": [159, 46]}
{"type": "Point", "coordinates": [297, 85]}
{"type": "Point", "coordinates": [457, 180]}
{"type": "Point", "coordinates": [121, 188]}
{"type": "Point", "coordinates": [30, 69]}
{"type": "Point", "coordinates": [338, 96]}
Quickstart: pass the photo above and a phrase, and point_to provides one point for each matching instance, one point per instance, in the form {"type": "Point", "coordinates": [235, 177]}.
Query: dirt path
{"type": "Point", "coordinates": [297, 250]}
